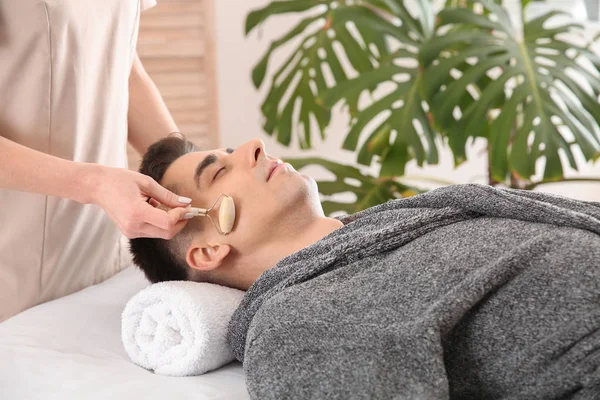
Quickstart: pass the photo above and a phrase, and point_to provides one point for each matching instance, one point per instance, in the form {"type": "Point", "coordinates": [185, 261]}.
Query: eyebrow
{"type": "Point", "coordinates": [204, 164]}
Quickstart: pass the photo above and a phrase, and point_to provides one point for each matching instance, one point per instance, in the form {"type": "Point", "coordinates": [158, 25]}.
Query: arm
{"type": "Point", "coordinates": [120, 192]}
{"type": "Point", "coordinates": [148, 118]}
{"type": "Point", "coordinates": [29, 170]}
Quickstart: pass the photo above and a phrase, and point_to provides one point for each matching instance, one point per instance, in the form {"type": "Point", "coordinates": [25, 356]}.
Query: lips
{"type": "Point", "coordinates": [272, 167]}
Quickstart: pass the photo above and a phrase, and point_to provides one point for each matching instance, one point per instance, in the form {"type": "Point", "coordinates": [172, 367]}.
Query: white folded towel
{"type": "Point", "coordinates": [178, 328]}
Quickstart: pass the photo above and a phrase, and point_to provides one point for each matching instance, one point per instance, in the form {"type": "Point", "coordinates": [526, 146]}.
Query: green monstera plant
{"type": "Point", "coordinates": [462, 73]}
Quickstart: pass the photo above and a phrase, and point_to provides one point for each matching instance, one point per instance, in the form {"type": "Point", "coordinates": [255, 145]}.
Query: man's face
{"type": "Point", "coordinates": [262, 203]}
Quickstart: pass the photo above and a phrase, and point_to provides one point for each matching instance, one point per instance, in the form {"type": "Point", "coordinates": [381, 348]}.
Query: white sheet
{"type": "Point", "coordinates": [71, 348]}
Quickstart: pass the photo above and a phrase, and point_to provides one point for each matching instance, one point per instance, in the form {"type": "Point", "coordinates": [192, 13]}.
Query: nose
{"type": "Point", "coordinates": [256, 150]}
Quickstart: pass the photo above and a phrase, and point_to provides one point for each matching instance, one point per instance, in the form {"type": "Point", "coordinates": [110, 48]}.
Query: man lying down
{"type": "Point", "coordinates": [465, 292]}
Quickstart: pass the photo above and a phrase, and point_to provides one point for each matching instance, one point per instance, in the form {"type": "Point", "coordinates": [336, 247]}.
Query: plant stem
{"type": "Point", "coordinates": [491, 180]}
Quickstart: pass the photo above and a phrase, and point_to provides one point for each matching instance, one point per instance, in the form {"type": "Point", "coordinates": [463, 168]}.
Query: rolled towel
{"type": "Point", "coordinates": [178, 328]}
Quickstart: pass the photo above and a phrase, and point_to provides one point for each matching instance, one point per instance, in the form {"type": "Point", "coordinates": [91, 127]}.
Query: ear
{"type": "Point", "coordinates": [203, 257]}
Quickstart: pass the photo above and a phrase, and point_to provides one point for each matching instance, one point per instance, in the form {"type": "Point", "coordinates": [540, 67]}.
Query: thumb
{"type": "Point", "coordinates": [165, 196]}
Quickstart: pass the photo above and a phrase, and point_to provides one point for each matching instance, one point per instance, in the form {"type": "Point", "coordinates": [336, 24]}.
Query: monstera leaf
{"type": "Point", "coordinates": [403, 111]}
{"type": "Point", "coordinates": [548, 98]}
{"type": "Point", "coordinates": [305, 74]}
{"type": "Point", "coordinates": [369, 190]}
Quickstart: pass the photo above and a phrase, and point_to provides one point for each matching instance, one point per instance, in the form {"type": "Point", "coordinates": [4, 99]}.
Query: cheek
{"type": "Point", "coordinates": [258, 205]}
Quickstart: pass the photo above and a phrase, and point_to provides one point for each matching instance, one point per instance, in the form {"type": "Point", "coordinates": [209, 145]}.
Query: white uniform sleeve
{"type": "Point", "coordinates": [146, 4]}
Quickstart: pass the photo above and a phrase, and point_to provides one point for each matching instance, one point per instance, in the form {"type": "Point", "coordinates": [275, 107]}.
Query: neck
{"type": "Point", "coordinates": [284, 244]}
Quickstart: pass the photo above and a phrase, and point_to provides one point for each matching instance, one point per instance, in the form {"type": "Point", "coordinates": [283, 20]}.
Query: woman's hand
{"type": "Point", "coordinates": [120, 192]}
{"type": "Point", "coordinates": [123, 194]}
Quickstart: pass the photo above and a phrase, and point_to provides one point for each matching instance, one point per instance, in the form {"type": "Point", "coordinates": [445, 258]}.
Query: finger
{"type": "Point", "coordinates": [162, 219]}
{"type": "Point", "coordinates": [179, 213]}
{"type": "Point", "coordinates": [164, 196]}
{"type": "Point", "coordinates": [151, 231]}
{"type": "Point", "coordinates": [179, 218]}
{"type": "Point", "coordinates": [153, 202]}
{"type": "Point", "coordinates": [154, 216]}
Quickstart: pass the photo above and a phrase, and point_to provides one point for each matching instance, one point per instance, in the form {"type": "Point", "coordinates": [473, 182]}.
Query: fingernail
{"type": "Point", "coordinates": [189, 215]}
{"type": "Point", "coordinates": [184, 200]}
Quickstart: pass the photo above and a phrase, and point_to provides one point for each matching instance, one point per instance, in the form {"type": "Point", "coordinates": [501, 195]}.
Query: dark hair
{"type": "Point", "coordinates": [159, 258]}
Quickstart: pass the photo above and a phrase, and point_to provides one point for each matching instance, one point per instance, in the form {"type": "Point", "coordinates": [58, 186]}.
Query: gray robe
{"type": "Point", "coordinates": [464, 292]}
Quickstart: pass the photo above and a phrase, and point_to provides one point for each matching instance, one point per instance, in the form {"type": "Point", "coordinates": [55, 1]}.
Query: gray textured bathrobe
{"type": "Point", "coordinates": [465, 292]}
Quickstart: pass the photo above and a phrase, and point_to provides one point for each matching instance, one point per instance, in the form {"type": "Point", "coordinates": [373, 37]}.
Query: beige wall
{"type": "Point", "coordinates": [240, 118]}
{"type": "Point", "coordinates": [176, 46]}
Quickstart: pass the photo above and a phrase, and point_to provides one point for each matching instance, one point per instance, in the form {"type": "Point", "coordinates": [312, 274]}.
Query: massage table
{"type": "Point", "coordinates": [71, 348]}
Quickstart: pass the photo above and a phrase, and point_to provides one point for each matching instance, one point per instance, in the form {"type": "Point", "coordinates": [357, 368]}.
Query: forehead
{"type": "Point", "coordinates": [181, 171]}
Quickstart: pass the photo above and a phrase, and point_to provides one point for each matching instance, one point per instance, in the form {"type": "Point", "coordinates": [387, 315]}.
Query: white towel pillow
{"type": "Point", "coordinates": [178, 328]}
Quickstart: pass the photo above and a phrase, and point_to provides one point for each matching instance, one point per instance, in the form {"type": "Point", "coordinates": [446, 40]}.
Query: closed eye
{"type": "Point", "coordinates": [228, 150]}
{"type": "Point", "coordinates": [218, 173]}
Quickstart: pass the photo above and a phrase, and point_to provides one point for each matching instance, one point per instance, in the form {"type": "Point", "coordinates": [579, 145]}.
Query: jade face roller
{"type": "Point", "coordinates": [226, 214]}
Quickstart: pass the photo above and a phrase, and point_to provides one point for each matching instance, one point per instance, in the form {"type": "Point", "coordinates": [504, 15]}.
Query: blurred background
{"type": "Point", "coordinates": [198, 54]}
